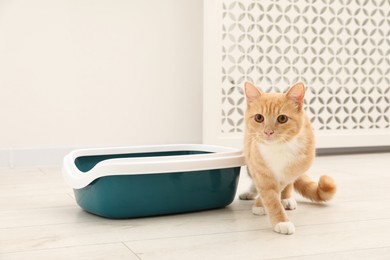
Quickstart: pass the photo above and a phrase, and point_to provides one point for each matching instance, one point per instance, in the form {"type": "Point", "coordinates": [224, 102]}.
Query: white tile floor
{"type": "Point", "coordinates": [40, 220]}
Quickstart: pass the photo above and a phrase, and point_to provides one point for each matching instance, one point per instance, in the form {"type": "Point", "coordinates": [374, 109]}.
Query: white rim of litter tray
{"type": "Point", "coordinates": [219, 158]}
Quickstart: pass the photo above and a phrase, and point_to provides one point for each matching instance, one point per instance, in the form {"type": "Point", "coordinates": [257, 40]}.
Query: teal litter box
{"type": "Point", "coordinates": [129, 182]}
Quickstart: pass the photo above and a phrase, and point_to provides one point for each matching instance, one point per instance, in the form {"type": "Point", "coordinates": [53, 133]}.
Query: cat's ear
{"type": "Point", "coordinates": [297, 93]}
{"type": "Point", "coordinates": [251, 92]}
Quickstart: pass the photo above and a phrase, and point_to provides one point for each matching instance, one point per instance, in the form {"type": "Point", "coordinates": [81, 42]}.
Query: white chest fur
{"type": "Point", "coordinates": [279, 156]}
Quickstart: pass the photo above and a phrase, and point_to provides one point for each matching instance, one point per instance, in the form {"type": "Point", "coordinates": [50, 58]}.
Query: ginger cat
{"type": "Point", "coordinates": [279, 149]}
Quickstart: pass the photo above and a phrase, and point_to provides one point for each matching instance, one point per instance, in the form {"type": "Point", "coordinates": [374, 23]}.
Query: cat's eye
{"type": "Point", "coordinates": [282, 119]}
{"type": "Point", "coordinates": [259, 118]}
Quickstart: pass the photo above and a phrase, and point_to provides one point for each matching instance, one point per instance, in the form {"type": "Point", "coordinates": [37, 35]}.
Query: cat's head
{"type": "Point", "coordinates": [274, 117]}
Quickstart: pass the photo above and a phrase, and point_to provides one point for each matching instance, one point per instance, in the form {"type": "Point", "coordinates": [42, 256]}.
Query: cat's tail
{"type": "Point", "coordinates": [322, 191]}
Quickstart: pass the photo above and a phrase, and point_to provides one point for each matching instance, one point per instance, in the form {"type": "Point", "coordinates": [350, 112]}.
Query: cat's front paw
{"type": "Point", "coordinates": [289, 204]}
{"type": "Point", "coordinates": [285, 228]}
{"type": "Point", "coordinates": [258, 211]}
{"type": "Point", "coordinates": [248, 196]}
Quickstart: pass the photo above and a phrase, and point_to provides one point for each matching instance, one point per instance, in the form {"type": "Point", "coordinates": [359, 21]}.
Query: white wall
{"type": "Point", "coordinates": [96, 72]}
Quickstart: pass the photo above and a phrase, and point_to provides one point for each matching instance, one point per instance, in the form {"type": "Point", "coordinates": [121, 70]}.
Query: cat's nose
{"type": "Point", "coordinates": [269, 132]}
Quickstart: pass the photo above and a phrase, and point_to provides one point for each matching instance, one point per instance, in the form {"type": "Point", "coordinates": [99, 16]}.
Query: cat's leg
{"type": "Point", "coordinates": [258, 208]}
{"type": "Point", "coordinates": [270, 197]}
{"type": "Point", "coordinates": [251, 194]}
{"type": "Point", "coordinates": [288, 201]}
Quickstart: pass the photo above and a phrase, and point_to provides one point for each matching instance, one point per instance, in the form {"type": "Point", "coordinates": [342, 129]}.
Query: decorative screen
{"type": "Point", "coordinates": [339, 48]}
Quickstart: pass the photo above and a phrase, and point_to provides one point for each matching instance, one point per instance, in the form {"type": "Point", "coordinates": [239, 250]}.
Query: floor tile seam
{"type": "Point", "coordinates": [328, 253]}
{"type": "Point", "coordinates": [343, 222]}
{"type": "Point", "coordinates": [49, 225]}
{"type": "Point", "coordinates": [61, 247]}
{"type": "Point", "coordinates": [131, 250]}
{"type": "Point", "coordinates": [215, 233]}
{"type": "Point", "coordinates": [35, 209]}
{"type": "Point", "coordinates": [249, 230]}
{"type": "Point", "coordinates": [105, 220]}
{"type": "Point", "coordinates": [306, 202]}
{"type": "Point", "coordinates": [10, 196]}
{"type": "Point", "coordinates": [47, 170]}
{"type": "Point", "coordinates": [195, 235]}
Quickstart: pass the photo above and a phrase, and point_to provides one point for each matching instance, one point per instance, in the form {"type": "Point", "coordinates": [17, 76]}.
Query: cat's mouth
{"type": "Point", "coordinates": [270, 138]}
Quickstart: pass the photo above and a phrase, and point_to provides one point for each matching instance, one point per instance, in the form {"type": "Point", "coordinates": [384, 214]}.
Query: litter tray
{"type": "Point", "coordinates": [128, 182]}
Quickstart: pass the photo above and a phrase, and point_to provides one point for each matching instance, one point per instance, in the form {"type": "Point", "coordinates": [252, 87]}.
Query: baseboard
{"type": "Point", "coordinates": [352, 150]}
{"type": "Point", "coordinates": [28, 157]}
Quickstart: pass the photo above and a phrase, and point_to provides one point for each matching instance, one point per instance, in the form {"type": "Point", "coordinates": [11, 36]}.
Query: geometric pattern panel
{"type": "Point", "coordinates": [340, 49]}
